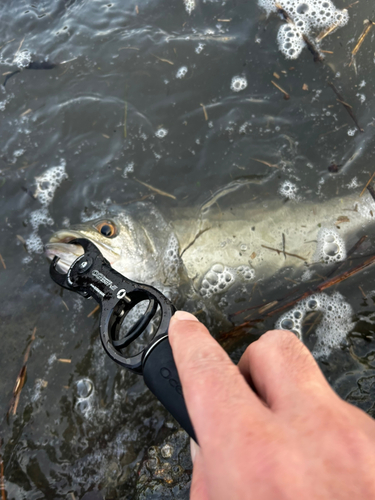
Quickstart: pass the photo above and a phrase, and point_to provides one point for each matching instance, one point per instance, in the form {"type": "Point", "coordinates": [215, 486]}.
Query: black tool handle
{"type": "Point", "coordinates": [161, 377]}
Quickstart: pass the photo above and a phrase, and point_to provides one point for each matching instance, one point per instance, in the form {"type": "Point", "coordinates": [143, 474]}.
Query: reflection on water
{"type": "Point", "coordinates": [148, 94]}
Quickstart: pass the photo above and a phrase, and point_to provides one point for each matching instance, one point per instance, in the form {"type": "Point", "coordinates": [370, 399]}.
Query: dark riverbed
{"type": "Point", "coordinates": [113, 111]}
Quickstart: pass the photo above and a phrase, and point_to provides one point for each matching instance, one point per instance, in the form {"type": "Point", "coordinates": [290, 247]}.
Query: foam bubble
{"type": "Point", "coordinates": [189, 6]}
{"type": "Point", "coordinates": [199, 49]}
{"type": "Point", "coordinates": [309, 18]}
{"type": "Point", "coordinates": [48, 182]}
{"type": "Point", "coordinates": [330, 247]}
{"type": "Point", "coordinates": [289, 190]}
{"type": "Point", "coordinates": [219, 278]}
{"type": "Point", "coordinates": [181, 73]}
{"type": "Point", "coordinates": [238, 83]}
{"type": "Point", "coordinates": [85, 397]}
{"type": "Point", "coordinates": [334, 326]}
{"type": "Point", "coordinates": [162, 132]}
{"type": "Point", "coordinates": [22, 59]}
{"type": "Point", "coordinates": [172, 259]}
{"type": "Point", "coordinates": [128, 169]}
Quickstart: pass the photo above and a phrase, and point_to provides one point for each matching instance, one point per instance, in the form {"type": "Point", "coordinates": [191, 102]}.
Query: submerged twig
{"type": "Point", "coordinates": [317, 289]}
{"type": "Point", "coordinates": [361, 39]}
{"type": "Point", "coordinates": [96, 308]}
{"type": "Point", "coordinates": [156, 190]}
{"type": "Point", "coordinates": [2, 261]}
{"type": "Point", "coordinates": [367, 184]}
{"type": "Point", "coordinates": [285, 253]}
{"type": "Point", "coordinates": [204, 111]}
{"type": "Point", "coordinates": [21, 378]}
{"type": "Point", "coordinates": [286, 95]}
{"type": "Point", "coordinates": [347, 106]}
{"type": "Point", "coordinates": [284, 245]}
{"type": "Point", "coordinates": [265, 163]}
{"type": "Point", "coordinates": [163, 60]}
{"type": "Point", "coordinates": [194, 240]}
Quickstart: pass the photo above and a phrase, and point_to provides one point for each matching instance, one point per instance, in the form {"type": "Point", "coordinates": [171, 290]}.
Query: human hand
{"type": "Point", "coordinates": [270, 428]}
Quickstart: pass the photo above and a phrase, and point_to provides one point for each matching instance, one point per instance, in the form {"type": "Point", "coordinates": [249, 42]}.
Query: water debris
{"type": "Point", "coordinates": [276, 75]}
{"type": "Point", "coordinates": [347, 106]}
{"type": "Point", "coordinates": [305, 87]}
{"type": "Point", "coordinates": [156, 190]}
{"type": "Point", "coordinates": [22, 240]}
{"type": "Point", "coordinates": [367, 184]}
{"type": "Point", "coordinates": [19, 48]}
{"type": "Point", "coordinates": [224, 20]}
{"type": "Point", "coordinates": [265, 163]}
{"type": "Point", "coordinates": [194, 240]}
{"type": "Point", "coordinates": [65, 304]}
{"type": "Point", "coordinates": [341, 219]}
{"type": "Point", "coordinates": [26, 112]}
{"type": "Point", "coordinates": [63, 360]}
{"type": "Point", "coordinates": [368, 26]}
{"type": "Point", "coordinates": [96, 308]}
{"type": "Point", "coordinates": [328, 31]}
{"type": "Point", "coordinates": [2, 261]}
{"type": "Point", "coordinates": [268, 306]}
{"type": "Point", "coordinates": [137, 12]}
{"type": "Point", "coordinates": [286, 95]}
{"type": "Point", "coordinates": [163, 60]}
{"type": "Point", "coordinates": [285, 253]}
{"type": "Point", "coordinates": [21, 379]}
{"type": "Point", "coordinates": [283, 235]}
{"type": "Point", "coordinates": [362, 292]}
{"type": "Point", "coordinates": [106, 136]}
{"type": "Point", "coordinates": [288, 303]}
{"type": "Point", "coordinates": [327, 51]}
{"type": "Point", "coordinates": [334, 168]}
{"type": "Point", "coordinates": [204, 111]}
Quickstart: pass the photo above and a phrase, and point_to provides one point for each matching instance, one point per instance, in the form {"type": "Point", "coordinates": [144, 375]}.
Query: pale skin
{"type": "Point", "coordinates": [270, 428]}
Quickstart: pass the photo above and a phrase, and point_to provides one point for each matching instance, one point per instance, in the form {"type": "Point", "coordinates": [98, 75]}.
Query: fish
{"type": "Point", "coordinates": [203, 252]}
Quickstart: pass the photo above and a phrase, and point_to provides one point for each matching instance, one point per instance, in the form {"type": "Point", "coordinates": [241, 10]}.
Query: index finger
{"type": "Point", "coordinates": [217, 396]}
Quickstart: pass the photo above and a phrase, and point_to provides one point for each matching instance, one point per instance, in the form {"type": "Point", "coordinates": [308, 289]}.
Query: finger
{"type": "Point", "coordinates": [283, 370]}
{"type": "Point", "coordinates": [198, 489]}
{"type": "Point", "coordinates": [212, 384]}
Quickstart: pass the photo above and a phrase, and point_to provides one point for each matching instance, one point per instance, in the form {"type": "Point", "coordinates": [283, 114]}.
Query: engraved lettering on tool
{"type": "Point", "coordinates": [104, 280]}
{"type": "Point", "coordinates": [97, 290]}
{"type": "Point", "coordinates": [165, 373]}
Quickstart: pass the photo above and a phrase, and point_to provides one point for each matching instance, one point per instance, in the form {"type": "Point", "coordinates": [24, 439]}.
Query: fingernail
{"type": "Point", "coordinates": [193, 449]}
{"type": "Point", "coordinates": [184, 316]}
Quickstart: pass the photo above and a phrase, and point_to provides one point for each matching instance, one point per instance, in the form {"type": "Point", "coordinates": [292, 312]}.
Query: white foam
{"type": "Point", "coordinates": [181, 73]}
{"type": "Point", "coordinates": [219, 278]}
{"type": "Point", "coordinates": [330, 247]}
{"type": "Point", "coordinates": [334, 326]}
{"type": "Point", "coordinates": [238, 83]}
{"type": "Point", "coordinates": [289, 190]}
{"type": "Point", "coordinates": [199, 49]}
{"type": "Point", "coordinates": [189, 6]}
{"type": "Point", "coordinates": [48, 182]}
{"type": "Point", "coordinates": [162, 132]}
{"type": "Point", "coordinates": [22, 59]}
{"type": "Point", "coordinates": [171, 259]}
{"type": "Point", "coordinates": [128, 169]}
{"type": "Point", "coordinates": [309, 18]}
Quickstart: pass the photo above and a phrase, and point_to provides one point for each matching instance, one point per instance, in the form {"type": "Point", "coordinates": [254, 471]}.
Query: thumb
{"type": "Point", "coordinates": [211, 382]}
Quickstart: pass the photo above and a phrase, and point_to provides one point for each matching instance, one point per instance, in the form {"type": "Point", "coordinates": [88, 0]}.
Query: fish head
{"type": "Point", "coordinates": [136, 241]}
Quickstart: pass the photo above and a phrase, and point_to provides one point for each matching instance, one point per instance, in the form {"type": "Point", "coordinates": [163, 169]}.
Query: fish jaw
{"type": "Point", "coordinates": [59, 246]}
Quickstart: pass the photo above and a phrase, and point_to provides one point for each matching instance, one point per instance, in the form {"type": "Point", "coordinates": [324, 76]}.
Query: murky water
{"type": "Point", "coordinates": [142, 92]}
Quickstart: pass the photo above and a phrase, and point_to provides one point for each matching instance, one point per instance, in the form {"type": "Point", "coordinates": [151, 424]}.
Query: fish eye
{"type": "Point", "coordinates": [106, 228]}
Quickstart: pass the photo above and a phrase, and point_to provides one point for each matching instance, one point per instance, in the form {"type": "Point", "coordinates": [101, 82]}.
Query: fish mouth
{"type": "Point", "coordinates": [59, 246]}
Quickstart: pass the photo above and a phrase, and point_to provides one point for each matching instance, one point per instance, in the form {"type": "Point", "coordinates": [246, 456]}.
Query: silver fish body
{"type": "Point", "coordinates": [210, 249]}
